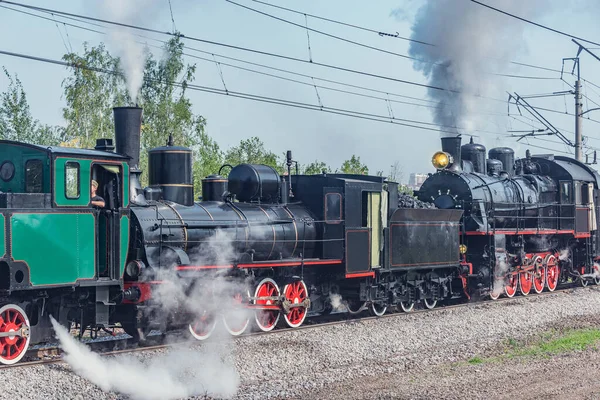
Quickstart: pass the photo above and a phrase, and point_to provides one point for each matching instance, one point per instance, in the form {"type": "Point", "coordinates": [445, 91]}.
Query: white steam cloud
{"type": "Point", "coordinates": [189, 371]}
{"type": "Point", "coordinates": [471, 44]}
{"type": "Point", "coordinates": [336, 302]}
{"type": "Point", "coordinates": [123, 40]}
{"type": "Point", "coordinates": [564, 255]}
{"type": "Point", "coordinates": [179, 374]}
{"type": "Point", "coordinates": [500, 271]}
{"type": "Point", "coordinates": [214, 295]}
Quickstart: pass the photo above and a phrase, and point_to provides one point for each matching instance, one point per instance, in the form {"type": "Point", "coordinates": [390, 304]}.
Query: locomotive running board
{"type": "Point", "coordinates": [266, 264]}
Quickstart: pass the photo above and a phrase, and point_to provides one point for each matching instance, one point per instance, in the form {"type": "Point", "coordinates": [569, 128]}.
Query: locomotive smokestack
{"type": "Point", "coordinates": [128, 127]}
{"type": "Point", "coordinates": [451, 145]}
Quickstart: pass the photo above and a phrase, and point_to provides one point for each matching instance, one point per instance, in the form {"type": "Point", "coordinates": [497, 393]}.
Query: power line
{"type": "Point", "coordinates": [350, 70]}
{"type": "Point", "coordinates": [324, 33]}
{"type": "Point", "coordinates": [344, 91]}
{"type": "Point", "coordinates": [280, 70]}
{"type": "Point", "coordinates": [380, 33]}
{"type": "Point", "coordinates": [534, 23]}
{"type": "Point", "coordinates": [259, 98]}
{"type": "Point", "coordinates": [351, 113]}
{"type": "Point", "coordinates": [383, 34]}
{"type": "Point", "coordinates": [233, 59]}
{"type": "Point", "coordinates": [368, 46]}
{"type": "Point", "coordinates": [249, 96]}
{"type": "Point", "coordinates": [50, 19]}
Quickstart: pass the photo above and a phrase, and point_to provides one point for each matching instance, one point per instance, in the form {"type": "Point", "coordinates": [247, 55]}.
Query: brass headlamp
{"type": "Point", "coordinates": [441, 160]}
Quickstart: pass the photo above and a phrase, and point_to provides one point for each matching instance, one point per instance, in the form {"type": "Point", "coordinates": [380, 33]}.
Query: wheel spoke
{"type": "Point", "coordinates": [236, 319]}
{"type": "Point", "coordinates": [13, 348]}
{"type": "Point", "coordinates": [296, 293]}
{"type": "Point", "coordinates": [266, 320]}
{"type": "Point", "coordinates": [511, 287]}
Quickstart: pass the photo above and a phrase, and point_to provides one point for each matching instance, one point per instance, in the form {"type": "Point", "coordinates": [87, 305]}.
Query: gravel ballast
{"type": "Point", "coordinates": [350, 360]}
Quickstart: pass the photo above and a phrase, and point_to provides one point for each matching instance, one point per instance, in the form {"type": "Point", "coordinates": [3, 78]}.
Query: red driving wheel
{"type": "Point", "coordinates": [552, 273]}
{"type": "Point", "coordinates": [539, 275]}
{"type": "Point", "coordinates": [295, 292]}
{"type": "Point", "coordinates": [266, 320]}
{"type": "Point", "coordinates": [237, 317]}
{"type": "Point", "coordinates": [13, 347]}
{"type": "Point", "coordinates": [203, 326]}
{"type": "Point", "coordinates": [511, 285]}
{"type": "Point", "coordinates": [525, 282]}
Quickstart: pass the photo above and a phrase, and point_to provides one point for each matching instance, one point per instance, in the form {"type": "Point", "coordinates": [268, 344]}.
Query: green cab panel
{"type": "Point", "coordinates": [124, 242]}
{"type": "Point", "coordinates": [2, 236]}
{"type": "Point", "coordinates": [125, 185]}
{"type": "Point", "coordinates": [59, 248]}
{"type": "Point", "coordinates": [24, 169]}
{"type": "Point", "coordinates": [72, 182]}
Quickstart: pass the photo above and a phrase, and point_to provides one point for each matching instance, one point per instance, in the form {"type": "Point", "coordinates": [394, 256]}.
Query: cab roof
{"type": "Point", "coordinates": [68, 151]}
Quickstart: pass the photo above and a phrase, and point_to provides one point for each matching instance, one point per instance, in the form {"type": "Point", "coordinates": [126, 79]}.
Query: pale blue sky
{"type": "Point", "coordinates": [313, 135]}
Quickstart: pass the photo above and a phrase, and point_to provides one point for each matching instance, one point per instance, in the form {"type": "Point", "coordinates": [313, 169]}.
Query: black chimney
{"type": "Point", "coordinates": [507, 156]}
{"type": "Point", "coordinates": [105, 145]}
{"type": "Point", "coordinates": [451, 145]}
{"type": "Point", "coordinates": [128, 127]}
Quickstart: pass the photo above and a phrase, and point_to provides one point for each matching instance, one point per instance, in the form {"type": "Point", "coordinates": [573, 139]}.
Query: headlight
{"type": "Point", "coordinates": [463, 249]}
{"type": "Point", "coordinates": [441, 160]}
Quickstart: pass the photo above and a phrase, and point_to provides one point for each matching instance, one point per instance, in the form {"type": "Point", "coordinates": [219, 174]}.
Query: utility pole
{"type": "Point", "coordinates": [578, 111]}
{"type": "Point", "coordinates": [578, 107]}
{"type": "Point", "coordinates": [578, 102]}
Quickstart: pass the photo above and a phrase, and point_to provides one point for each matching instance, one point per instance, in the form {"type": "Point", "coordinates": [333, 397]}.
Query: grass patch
{"type": "Point", "coordinates": [574, 340]}
{"type": "Point", "coordinates": [547, 344]}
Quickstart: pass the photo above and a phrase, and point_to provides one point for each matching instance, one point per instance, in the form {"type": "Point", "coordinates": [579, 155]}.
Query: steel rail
{"type": "Point", "coordinates": [310, 324]}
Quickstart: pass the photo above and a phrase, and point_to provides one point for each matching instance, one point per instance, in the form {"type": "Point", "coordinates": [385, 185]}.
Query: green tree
{"type": "Point", "coordinates": [404, 189]}
{"type": "Point", "coordinates": [209, 158]}
{"type": "Point", "coordinates": [91, 94]}
{"type": "Point", "coordinates": [316, 167]}
{"type": "Point", "coordinates": [354, 166]}
{"type": "Point", "coordinates": [168, 111]}
{"type": "Point", "coordinates": [252, 151]}
{"type": "Point", "coordinates": [16, 121]}
{"type": "Point", "coordinates": [396, 174]}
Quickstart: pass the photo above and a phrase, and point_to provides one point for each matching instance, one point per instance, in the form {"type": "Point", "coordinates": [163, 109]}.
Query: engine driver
{"type": "Point", "coordinates": [97, 201]}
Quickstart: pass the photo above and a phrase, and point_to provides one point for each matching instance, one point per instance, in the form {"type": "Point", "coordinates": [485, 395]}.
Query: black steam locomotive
{"type": "Point", "coordinates": [527, 224]}
{"type": "Point", "coordinates": [269, 249]}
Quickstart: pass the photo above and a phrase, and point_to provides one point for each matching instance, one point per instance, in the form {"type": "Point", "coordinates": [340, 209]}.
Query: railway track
{"type": "Point", "coordinates": [124, 345]}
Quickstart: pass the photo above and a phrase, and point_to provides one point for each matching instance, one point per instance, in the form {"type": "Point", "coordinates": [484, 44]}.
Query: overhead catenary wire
{"type": "Point", "coordinates": [219, 64]}
{"type": "Point", "coordinates": [288, 102]}
{"type": "Point", "coordinates": [248, 96]}
{"type": "Point", "coordinates": [383, 34]}
{"type": "Point", "coordinates": [350, 113]}
{"type": "Point", "coordinates": [534, 23]}
{"type": "Point", "coordinates": [313, 78]}
{"type": "Point", "coordinates": [236, 59]}
{"type": "Point", "coordinates": [335, 89]}
{"type": "Point", "coordinates": [366, 45]}
{"type": "Point", "coordinates": [241, 48]}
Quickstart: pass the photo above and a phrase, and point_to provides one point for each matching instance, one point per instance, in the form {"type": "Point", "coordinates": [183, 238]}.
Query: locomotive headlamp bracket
{"type": "Point", "coordinates": [441, 160]}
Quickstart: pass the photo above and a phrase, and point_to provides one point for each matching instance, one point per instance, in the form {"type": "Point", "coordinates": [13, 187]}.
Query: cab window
{"type": "Point", "coordinates": [72, 180]}
{"type": "Point", "coordinates": [333, 208]}
{"type": "Point", "coordinates": [34, 176]}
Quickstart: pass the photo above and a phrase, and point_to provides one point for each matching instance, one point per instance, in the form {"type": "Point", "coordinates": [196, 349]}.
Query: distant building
{"type": "Point", "coordinates": [416, 180]}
